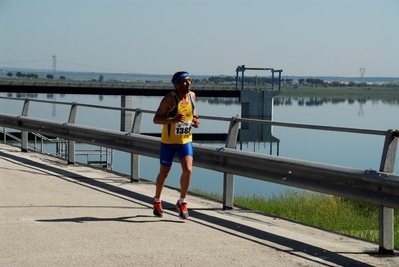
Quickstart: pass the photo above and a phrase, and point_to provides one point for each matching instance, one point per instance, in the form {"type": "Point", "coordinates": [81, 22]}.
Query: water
{"type": "Point", "coordinates": [344, 149]}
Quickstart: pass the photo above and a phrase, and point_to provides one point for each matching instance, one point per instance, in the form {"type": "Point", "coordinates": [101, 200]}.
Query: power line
{"type": "Point", "coordinates": [17, 62]}
{"type": "Point", "coordinates": [362, 71]}
{"type": "Point", "coordinates": [85, 65]}
{"type": "Point", "coordinates": [64, 61]}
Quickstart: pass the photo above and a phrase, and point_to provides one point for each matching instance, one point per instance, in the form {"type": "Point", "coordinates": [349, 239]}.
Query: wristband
{"type": "Point", "coordinates": [195, 116]}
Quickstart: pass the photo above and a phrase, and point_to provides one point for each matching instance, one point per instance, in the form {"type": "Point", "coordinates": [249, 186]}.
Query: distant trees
{"type": "Point", "coordinates": [100, 79]}
{"type": "Point", "coordinates": [217, 79]}
{"type": "Point", "coordinates": [230, 81]}
{"type": "Point", "coordinates": [314, 82]}
{"type": "Point", "coordinates": [289, 81]}
{"type": "Point", "coordinates": [24, 75]}
{"type": "Point", "coordinates": [32, 75]}
{"type": "Point", "coordinates": [318, 82]}
{"type": "Point", "coordinates": [247, 80]}
{"type": "Point", "coordinates": [200, 81]}
{"type": "Point", "coordinates": [335, 84]}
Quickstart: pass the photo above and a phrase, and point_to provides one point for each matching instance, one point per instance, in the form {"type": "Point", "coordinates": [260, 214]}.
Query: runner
{"type": "Point", "coordinates": [177, 113]}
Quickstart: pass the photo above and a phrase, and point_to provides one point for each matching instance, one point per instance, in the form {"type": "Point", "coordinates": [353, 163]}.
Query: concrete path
{"type": "Point", "coordinates": [53, 214]}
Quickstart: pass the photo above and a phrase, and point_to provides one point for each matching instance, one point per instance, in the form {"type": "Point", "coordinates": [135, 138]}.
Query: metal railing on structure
{"type": "Point", "coordinates": [103, 155]}
{"type": "Point", "coordinates": [38, 144]}
{"type": "Point", "coordinates": [376, 187]}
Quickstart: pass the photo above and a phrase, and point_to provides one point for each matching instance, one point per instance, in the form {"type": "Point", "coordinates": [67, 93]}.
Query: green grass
{"type": "Point", "coordinates": [332, 213]}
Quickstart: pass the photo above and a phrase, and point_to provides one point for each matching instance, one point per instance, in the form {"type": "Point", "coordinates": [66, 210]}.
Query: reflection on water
{"type": "Point", "coordinates": [318, 101]}
{"type": "Point", "coordinates": [344, 149]}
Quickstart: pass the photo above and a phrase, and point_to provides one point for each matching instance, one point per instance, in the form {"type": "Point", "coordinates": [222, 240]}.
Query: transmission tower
{"type": "Point", "coordinates": [55, 66]}
{"type": "Point", "coordinates": [55, 76]}
{"type": "Point", "coordinates": [362, 71]}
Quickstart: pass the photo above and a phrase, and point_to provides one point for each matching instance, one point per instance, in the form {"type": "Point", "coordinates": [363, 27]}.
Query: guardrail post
{"type": "Point", "coordinates": [24, 134]}
{"type": "Point", "coordinates": [386, 215]}
{"type": "Point", "coordinates": [134, 158]}
{"type": "Point", "coordinates": [4, 135]}
{"type": "Point", "coordinates": [228, 178]}
{"type": "Point", "coordinates": [71, 144]}
{"type": "Point", "coordinates": [126, 115]}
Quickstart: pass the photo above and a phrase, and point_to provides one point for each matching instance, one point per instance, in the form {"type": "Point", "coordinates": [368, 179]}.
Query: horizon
{"type": "Point", "coordinates": [50, 71]}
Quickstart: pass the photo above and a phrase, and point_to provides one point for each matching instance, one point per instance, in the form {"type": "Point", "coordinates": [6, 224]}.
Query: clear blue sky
{"type": "Point", "coordinates": [204, 37]}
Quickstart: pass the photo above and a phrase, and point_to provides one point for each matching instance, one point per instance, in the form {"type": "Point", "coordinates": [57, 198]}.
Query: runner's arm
{"type": "Point", "coordinates": [161, 115]}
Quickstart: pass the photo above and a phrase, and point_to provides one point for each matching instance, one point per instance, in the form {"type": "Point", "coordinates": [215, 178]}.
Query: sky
{"type": "Point", "coordinates": [203, 37]}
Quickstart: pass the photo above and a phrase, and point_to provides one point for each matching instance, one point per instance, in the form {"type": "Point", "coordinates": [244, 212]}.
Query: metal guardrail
{"type": "Point", "coordinates": [376, 187]}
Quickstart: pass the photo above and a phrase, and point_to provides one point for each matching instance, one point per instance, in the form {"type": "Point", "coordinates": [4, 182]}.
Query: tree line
{"type": "Point", "coordinates": [268, 81]}
{"type": "Point", "coordinates": [231, 80]}
{"type": "Point", "coordinates": [48, 76]}
{"type": "Point", "coordinates": [312, 82]}
{"type": "Point", "coordinates": [32, 75]}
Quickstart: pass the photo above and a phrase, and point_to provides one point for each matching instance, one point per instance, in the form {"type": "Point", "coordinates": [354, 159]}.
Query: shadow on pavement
{"type": "Point", "coordinates": [219, 224]}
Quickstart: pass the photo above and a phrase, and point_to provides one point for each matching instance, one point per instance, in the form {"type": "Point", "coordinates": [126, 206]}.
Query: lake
{"type": "Point", "coordinates": [344, 149]}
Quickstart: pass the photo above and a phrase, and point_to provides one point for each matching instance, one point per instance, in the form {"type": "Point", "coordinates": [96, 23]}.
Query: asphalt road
{"type": "Point", "coordinates": [53, 214]}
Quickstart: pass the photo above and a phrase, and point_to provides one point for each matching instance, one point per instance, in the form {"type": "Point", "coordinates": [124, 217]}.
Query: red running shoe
{"type": "Point", "coordinates": [182, 210]}
{"type": "Point", "coordinates": [158, 212]}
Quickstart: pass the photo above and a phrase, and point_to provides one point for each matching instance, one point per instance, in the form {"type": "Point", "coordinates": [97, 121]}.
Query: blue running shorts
{"type": "Point", "coordinates": [167, 152]}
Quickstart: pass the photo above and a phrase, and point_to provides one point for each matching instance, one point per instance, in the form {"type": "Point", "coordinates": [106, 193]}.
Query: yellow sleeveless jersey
{"type": "Point", "coordinates": [179, 132]}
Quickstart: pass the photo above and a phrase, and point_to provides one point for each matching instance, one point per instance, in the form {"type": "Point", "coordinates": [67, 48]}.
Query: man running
{"type": "Point", "coordinates": [177, 113]}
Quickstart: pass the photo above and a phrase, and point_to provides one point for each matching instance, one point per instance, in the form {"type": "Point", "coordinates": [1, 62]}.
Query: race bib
{"type": "Point", "coordinates": [183, 128]}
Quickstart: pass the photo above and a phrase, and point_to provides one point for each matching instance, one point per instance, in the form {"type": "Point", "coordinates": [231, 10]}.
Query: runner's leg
{"type": "Point", "coordinates": [187, 169]}
{"type": "Point", "coordinates": [160, 182]}
{"type": "Point", "coordinates": [166, 154]}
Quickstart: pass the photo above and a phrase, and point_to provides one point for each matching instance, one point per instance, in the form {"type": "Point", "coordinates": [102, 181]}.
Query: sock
{"type": "Point", "coordinates": [182, 200]}
{"type": "Point", "coordinates": [157, 199]}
